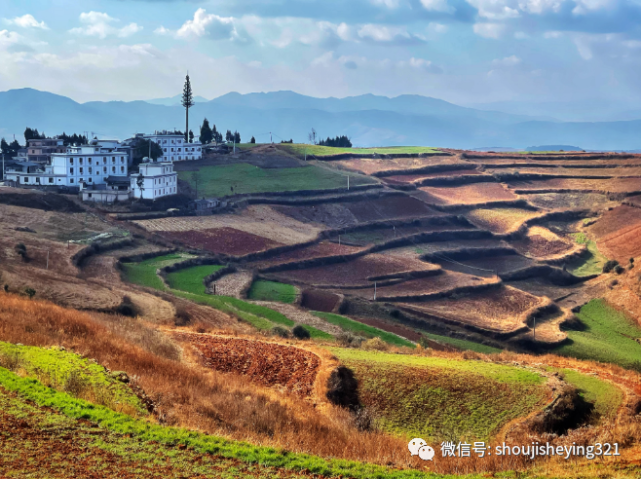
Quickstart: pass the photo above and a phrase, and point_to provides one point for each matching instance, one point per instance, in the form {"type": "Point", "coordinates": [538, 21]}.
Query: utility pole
{"type": "Point", "coordinates": [374, 290]}
{"type": "Point", "coordinates": [347, 182]}
{"type": "Point", "coordinates": [48, 259]}
{"type": "Point", "coordinates": [271, 139]}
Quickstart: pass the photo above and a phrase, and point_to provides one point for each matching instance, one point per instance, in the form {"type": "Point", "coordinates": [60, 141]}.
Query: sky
{"type": "Point", "coordinates": [463, 51]}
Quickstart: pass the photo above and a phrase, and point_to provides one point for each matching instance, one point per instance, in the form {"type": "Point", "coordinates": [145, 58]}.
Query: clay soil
{"type": "Point", "coordinates": [614, 185]}
{"type": "Point", "coordinates": [565, 201]}
{"type": "Point", "coordinates": [618, 233]}
{"type": "Point", "coordinates": [502, 264]}
{"type": "Point", "coordinates": [402, 179]}
{"type": "Point", "coordinates": [222, 240]}
{"type": "Point", "coordinates": [469, 194]}
{"type": "Point", "coordinates": [445, 281]}
{"type": "Point", "coordinates": [320, 250]}
{"type": "Point", "coordinates": [318, 300]}
{"type": "Point", "coordinates": [541, 242]}
{"type": "Point", "coordinates": [369, 166]}
{"type": "Point", "coordinates": [265, 363]}
{"type": "Point", "coordinates": [559, 170]}
{"type": "Point", "coordinates": [498, 310]}
{"type": "Point", "coordinates": [355, 272]}
{"type": "Point", "coordinates": [391, 328]}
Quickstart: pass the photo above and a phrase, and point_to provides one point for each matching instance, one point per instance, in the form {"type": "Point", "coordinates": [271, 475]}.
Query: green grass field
{"type": "Point", "coordinates": [67, 371]}
{"type": "Point", "coordinates": [262, 290]}
{"type": "Point", "coordinates": [299, 150]}
{"type": "Point", "coordinates": [589, 264]}
{"type": "Point", "coordinates": [192, 279]}
{"type": "Point", "coordinates": [144, 272]}
{"type": "Point", "coordinates": [439, 398]}
{"type": "Point", "coordinates": [605, 396]}
{"type": "Point", "coordinates": [140, 440]}
{"type": "Point", "coordinates": [609, 337]}
{"type": "Point", "coordinates": [364, 330]}
{"type": "Point", "coordinates": [244, 178]}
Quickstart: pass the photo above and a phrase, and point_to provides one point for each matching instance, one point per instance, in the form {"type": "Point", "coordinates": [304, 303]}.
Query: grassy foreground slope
{"type": "Point", "coordinates": [440, 398]}
{"type": "Point", "coordinates": [151, 438]}
{"type": "Point", "coordinates": [361, 329]}
{"type": "Point", "coordinates": [243, 178]}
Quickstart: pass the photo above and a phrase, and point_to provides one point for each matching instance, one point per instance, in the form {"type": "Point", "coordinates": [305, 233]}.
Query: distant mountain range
{"type": "Point", "coordinates": [368, 120]}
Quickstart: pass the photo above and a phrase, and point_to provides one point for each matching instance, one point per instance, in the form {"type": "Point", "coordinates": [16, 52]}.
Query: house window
{"type": "Point", "coordinates": [165, 150]}
{"type": "Point", "coordinates": [71, 171]}
{"type": "Point", "coordinates": [71, 161]}
{"type": "Point", "coordinates": [71, 180]}
{"type": "Point", "coordinates": [89, 170]}
{"type": "Point", "coordinates": [81, 171]}
{"type": "Point", "coordinates": [89, 195]}
{"type": "Point", "coordinates": [26, 179]}
{"type": "Point", "coordinates": [113, 159]}
{"type": "Point", "coordinates": [122, 169]}
{"type": "Point", "coordinates": [104, 170]}
{"type": "Point", "coordinates": [104, 160]}
{"type": "Point", "coordinates": [89, 180]}
{"type": "Point", "coordinates": [122, 160]}
{"type": "Point", "coordinates": [50, 180]}
{"type": "Point", "coordinates": [113, 169]}
{"type": "Point", "coordinates": [80, 161]}
{"type": "Point", "coordinates": [89, 160]}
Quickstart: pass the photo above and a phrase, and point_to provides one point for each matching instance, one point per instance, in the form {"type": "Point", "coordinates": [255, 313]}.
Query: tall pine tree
{"type": "Point", "coordinates": [187, 102]}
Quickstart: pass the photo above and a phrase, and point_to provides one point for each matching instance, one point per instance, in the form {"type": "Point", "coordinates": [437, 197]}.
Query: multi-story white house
{"type": "Point", "coordinates": [174, 146]}
{"type": "Point", "coordinates": [91, 164]}
{"type": "Point", "coordinates": [158, 179]}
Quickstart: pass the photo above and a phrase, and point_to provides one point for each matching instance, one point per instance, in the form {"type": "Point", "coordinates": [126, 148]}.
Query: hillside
{"type": "Point", "coordinates": [309, 329]}
{"type": "Point", "coordinates": [368, 120]}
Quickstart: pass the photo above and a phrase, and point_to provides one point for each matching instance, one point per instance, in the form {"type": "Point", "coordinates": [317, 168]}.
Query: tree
{"type": "Point", "coordinates": [339, 141]}
{"type": "Point", "coordinates": [187, 102]}
{"type": "Point", "coordinates": [236, 137]}
{"type": "Point", "coordinates": [312, 136]}
{"type": "Point", "coordinates": [14, 147]}
{"type": "Point", "coordinates": [142, 150]}
{"type": "Point", "coordinates": [229, 136]}
{"type": "Point", "coordinates": [206, 134]}
{"type": "Point", "coordinates": [253, 140]}
{"type": "Point", "coordinates": [4, 147]}
{"type": "Point", "coordinates": [217, 137]}
{"type": "Point", "coordinates": [191, 136]}
{"type": "Point", "coordinates": [140, 181]}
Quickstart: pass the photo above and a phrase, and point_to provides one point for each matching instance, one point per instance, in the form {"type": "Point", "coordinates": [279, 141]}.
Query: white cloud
{"type": "Point", "coordinates": [391, 4]}
{"type": "Point", "coordinates": [207, 25]}
{"type": "Point", "coordinates": [507, 61]}
{"type": "Point", "coordinates": [437, 6]}
{"type": "Point", "coordinates": [9, 38]}
{"type": "Point", "coordinates": [436, 28]}
{"type": "Point", "coordinates": [585, 6]}
{"type": "Point", "coordinates": [385, 34]}
{"type": "Point", "coordinates": [27, 21]}
{"type": "Point", "coordinates": [540, 6]}
{"type": "Point", "coordinates": [489, 30]}
{"type": "Point", "coordinates": [422, 64]}
{"type": "Point", "coordinates": [552, 34]}
{"type": "Point", "coordinates": [98, 24]}
{"type": "Point", "coordinates": [163, 31]}
{"type": "Point", "coordinates": [521, 35]}
{"type": "Point", "coordinates": [495, 9]}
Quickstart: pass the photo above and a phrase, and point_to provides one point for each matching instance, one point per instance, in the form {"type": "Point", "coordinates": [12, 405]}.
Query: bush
{"type": "Point", "coordinates": [30, 292]}
{"type": "Point", "coordinates": [280, 331]}
{"type": "Point", "coordinates": [376, 344]}
{"type": "Point", "coordinates": [21, 250]}
{"type": "Point", "coordinates": [182, 317]}
{"type": "Point", "coordinates": [342, 388]}
{"type": "Point", "coordinates": [610, 265]}
{"type": "Point", "coordinates": [300, 332]}
{"type": "Point", "coordinates": [618, 269]}
{"type": "Point", "coordinates": [348, 340]}
{"type": "Point", "coordinates": [128, 308]}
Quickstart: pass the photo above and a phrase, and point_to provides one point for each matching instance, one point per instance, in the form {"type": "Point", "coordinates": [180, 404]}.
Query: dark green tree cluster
{"type": "Point", "coordinates": [209, 134]}
{"type": "Point", "coordinates": [30, 134]}
{"type": "Point", "coordinates": [232, 137]}
{"type": "Point", "coordinates": [338, 142]}
{"type": "Point", "coordinates": [142, 150]}
{"type": "Point", "coordinates": [9, 149]}
{"type": "Point", "coordinates": [74, 139]}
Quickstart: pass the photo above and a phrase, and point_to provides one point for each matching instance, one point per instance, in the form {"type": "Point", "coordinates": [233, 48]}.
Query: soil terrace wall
{"type": "Point", "coordinates": [562, 156]}
{"type": "Point", "coordinates": [456, 180]}
{"type": "Point", "coordinates": [356, 156]}
{"type": "Point", "coordinates": [470, 253]}
{"type": "Point", "coordinates": [555, 275]}
{"type": "Point", "coordinates": [520, 203]}
{"type": "Point", "coordinates": [419, 298]}
{"type": "Point", "coordinates": [95, 248]}
{"type": "Point", "coordinates": [315, 200]}
{"type": "Point", "coordinates": [424, 169]}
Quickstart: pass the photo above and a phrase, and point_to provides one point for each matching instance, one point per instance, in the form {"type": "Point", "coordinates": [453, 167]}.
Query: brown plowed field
{"type": "Point", "coordinates": [468, 194]}
{"type": "Point", "coordinates": [222, 240]}
{"type": "Point", "coordinates": [445, 281]}
{"type": "Point", "coordinates": [419, 249]}
{"type": "Point", "coordinates": [379, 235]}
{"type": "Point", "coordinates": [265, 363]}
{"type": "Point", "coordinates": [339, 215]}
{"type": "Point", "coordinates": [541, 242]}
{"type": "Point", "coordinates": [391, 328]}
{"type": "Point", "coordinates": [614, 185]}
{"type": "Point", "coordinates": [577, 162]}
{"type": "Point", "coordinates": [318, 300]}
{"type": "Point", "coordinates": [502, 264]}
{"type": "Point", "coordinates": [558, 170]}
{"type": "Point", "coordinates": [500, 310]}
{"type": "Point", "coordinates": [565, 201]}
{"type": "Point", "coordinates": [618, 233]}
{"type": "Point", "coordinates": [401, 179]}
{"type": "Point", "coordinates": [355, 272]}
{"type": "Point", "coordinates": [320, 250]}
{"type": "Point", "coordinates": [369, 166]}
{"type": "Point", "coordinates": [500, 220]}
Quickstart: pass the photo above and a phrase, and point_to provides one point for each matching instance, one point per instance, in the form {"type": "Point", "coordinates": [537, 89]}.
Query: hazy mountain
{"type": "Point", "coordinates": [553, 148]}
{"type": "Point", "coordinates": [175, 100]}
{"type": "Point", "coordinates": [369, 120]}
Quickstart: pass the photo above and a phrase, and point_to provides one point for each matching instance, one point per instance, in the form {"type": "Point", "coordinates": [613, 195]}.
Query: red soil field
{"type": "Point", "coordinates": [319, 250]}
{"type": "Point", "coordinates": [397, 179]}
{"type": "Point", "coordinates": [614, 185]}
{"type": "Point", "coordinates": [502, 264]}
{"type": "Point", "coordinates": [390, 328]}
{"type": "Point", "coordinates": [318, 300]}
{"type": "Point", "coordinates": [469, 194]}
{"type": "Point", "coordinates": [355, 272]}
{"type": "Point", "coordinates": [618, 233]}
{"type": "Point", "coordinates": [388, 208]}
{"type": "Point", "coordinates": [560, 170]}
{"type": "Point", "coordinates": [265, 363]}
{"type": "Point", "coordinates": [539, 246]}
{"type": "Point", "coordinates": [499, 310]}
{"type": "Point", "coordinates": [222, 240]}
{"type": "Point", "coordinates": [445, 281]}
{"type": "Point", "coordinates": [369, 166]}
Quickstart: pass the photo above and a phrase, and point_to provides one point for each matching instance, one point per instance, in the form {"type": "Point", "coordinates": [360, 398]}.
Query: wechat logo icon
{"type": "Point", "coordinates": [418, 447]}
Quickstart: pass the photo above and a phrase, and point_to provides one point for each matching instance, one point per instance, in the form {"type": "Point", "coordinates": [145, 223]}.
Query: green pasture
{"type": "Point", "coordinates": [589, 264]}
{"type": "Point", "coordinates": [364, 330]}
{"type": "Point", "coordinates": [262, 290]}
{"type": "Point", "coordinates": [144, 273]}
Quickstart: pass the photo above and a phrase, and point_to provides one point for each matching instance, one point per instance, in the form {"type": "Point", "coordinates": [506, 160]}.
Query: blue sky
{"type": "Point", "coordinates": [464, 51]}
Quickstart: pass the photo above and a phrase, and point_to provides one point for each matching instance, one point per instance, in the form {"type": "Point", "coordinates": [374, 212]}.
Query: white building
{"type": "Point", "coordinates": [91, 164]}
{"type": "Point", "coordinates": [174, 146]}
{"type": "Point", "coordinates": [158, 179]}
